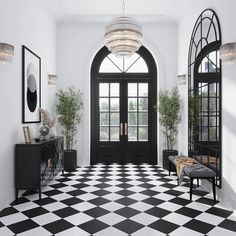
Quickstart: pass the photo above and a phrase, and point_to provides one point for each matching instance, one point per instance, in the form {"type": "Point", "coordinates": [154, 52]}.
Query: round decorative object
{"type": "Point", "coordinates": [123, 36]}
{"type": "Point", "coordinates": [44, 130]}
{"type": "Point", "coordinates": [31, 88]}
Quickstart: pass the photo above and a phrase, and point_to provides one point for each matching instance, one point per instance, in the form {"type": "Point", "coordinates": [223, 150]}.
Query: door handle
{"type": "Point", "coordinates": [121, 129]}
{"type": "Point", "coordinates": [126, 129]}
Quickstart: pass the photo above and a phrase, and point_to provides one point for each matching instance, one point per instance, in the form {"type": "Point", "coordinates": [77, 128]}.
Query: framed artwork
{"type": "Point", "coordinates": [27, 134]}
{"type": "Point", "coordinates": [31, 83]}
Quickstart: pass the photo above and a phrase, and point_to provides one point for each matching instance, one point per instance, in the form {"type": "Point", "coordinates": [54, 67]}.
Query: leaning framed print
{"type": "Point", "coordinates": [31, 86]}
{"type": "Point", "coordinates": [27, 134]}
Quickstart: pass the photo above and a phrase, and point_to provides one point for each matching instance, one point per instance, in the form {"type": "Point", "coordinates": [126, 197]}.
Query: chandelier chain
{"type": "Point", "coordinates": [123, 7]}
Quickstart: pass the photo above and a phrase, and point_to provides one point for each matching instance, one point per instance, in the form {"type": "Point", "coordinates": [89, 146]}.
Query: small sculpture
{"type": "Point", "coordinates": [48, 123]}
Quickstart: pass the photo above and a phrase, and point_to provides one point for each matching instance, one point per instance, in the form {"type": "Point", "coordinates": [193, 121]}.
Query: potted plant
{"type": "Point", "coordinates": [194, 105]}
{"type": "Point", "coordinates": [169, 117]}
{"type": "Point", "coordinates": [69, 107]}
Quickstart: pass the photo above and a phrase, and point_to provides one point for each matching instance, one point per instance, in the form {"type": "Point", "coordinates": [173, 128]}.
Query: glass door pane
{"type": "Point", "coordinates": [138, 112]}
{"type": "Point", "coordinates": [109, 112]}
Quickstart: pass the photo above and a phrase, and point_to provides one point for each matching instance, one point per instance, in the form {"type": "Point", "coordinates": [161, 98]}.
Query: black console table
{"type": "Point", "coordinates": [37, 163]}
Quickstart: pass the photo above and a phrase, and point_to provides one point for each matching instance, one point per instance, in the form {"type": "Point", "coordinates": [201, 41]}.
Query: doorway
{"type": "Point", "coordinates": [123, 119]}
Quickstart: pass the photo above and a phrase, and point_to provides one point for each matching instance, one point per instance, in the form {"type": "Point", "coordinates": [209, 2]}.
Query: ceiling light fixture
{"type": "Point", "coordinates": [228, 53]}
{"type": "Point", "coordinates": [123, 35]}
{"type": "Point", "coordinates": [6, 53]}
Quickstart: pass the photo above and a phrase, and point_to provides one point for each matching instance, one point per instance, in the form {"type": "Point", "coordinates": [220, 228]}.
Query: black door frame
{"type": "Point", "coordinates": [97, 77]}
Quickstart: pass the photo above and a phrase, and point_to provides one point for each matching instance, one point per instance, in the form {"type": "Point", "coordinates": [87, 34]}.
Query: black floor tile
{"type": "Point", "coordinates": [163, 226]}
{"type": "Point", "coordinates": [128, 226]}
{"type": "Point", "coordinates": [45, 201]}
{"type": "Point", "coordinates": [20, 201]}
{"type": "Point", "coordinates": [71, 201]}
{"type": "Point", "coordinates": [180, 201]}
{"type": "Point", "coordinates": [219, 212]}
{"type": "Point", "coordinates": [127, 212]}
{"type": "Point", "coordinates": [199, 226]}
{"type": "Point", "coordinates": [35, 212]}
{"type": "Point", "coordinates": [93, 226]}
{"type": "Point", "coordinates": [52, 192]}
{"type": "Point", "coordinates": [158, 212]}
{"type": "Point", "coordinates": [76, 192]}
{"type": "Point", "coordinates": [101, 192]}
{"type": "Point", "coordinates": [149, 192]}
{"type": "Point", "coordinates": [99, 201]}
{"type": "Point", "coordinates": [22, 226]}
{"type": "Point", "coordinates": [59, 185]}
{"type": "Point", "coordinates": [206, 201]}
{"type": "Point", "coordinates": [81, 185]}
{"type": "Point", "coordinates": [174, 192]}
{"type": "Point", "coordinates": [228, 224]}
{"type": "Point", "coordinates": [64, 212]}
{"type": "Point", "coordinates": [96, 212]}
{"type": "Point", "coordinates": [8, 211]}
{"type": "Point", "coordinates": [58, 226]}
{"type": "Point", "coordinates": [188, 212]}
{"type": "Point", "coordinates": [153, 201]}
{"type": "Point", "coordinates": [125, 192]}
{"type": "Point", "coordinates": [126, 201]}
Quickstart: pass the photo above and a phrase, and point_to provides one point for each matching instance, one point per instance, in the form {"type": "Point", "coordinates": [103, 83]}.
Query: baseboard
{"type": "Point", "coordinates": [225, 200]}
{"type": "Point", "coordinates": [6, 199]}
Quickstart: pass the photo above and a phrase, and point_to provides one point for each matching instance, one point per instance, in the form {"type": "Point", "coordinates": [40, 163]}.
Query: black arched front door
{"type": "Point", "coordinates": [123, 120]}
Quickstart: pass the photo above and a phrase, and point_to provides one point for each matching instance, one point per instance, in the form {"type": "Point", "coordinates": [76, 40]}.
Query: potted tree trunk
{"type": "Point", "coordinates": [169, 117]}
{"type": "Point", "coordinates": [69, 107]}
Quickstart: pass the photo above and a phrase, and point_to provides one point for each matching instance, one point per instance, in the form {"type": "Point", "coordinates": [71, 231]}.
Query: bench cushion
{"type": "Point", "coordinates": [195, 171]}
{"type": "Point", "coordinates": [199, 171]}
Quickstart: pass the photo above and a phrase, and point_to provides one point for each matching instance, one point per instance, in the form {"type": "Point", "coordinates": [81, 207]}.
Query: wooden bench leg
{"type": "Point", "coordinates": [191, 188]}
{"type": "Point", "coordinates": [214, 188]}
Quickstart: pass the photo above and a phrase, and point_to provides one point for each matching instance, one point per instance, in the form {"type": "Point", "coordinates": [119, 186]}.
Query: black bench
{"type": "Point", "coordinates": [196, 171]}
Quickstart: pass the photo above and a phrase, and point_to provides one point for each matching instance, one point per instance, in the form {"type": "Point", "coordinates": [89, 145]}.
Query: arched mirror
{"type": "Point", "coordinates": [204, 92]}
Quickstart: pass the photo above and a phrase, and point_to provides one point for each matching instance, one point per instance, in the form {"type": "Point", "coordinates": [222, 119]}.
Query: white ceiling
{"type": "Point", "coordinates": [150, 11]}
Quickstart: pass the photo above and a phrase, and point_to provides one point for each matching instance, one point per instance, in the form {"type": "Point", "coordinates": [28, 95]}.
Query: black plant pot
{"type": "Point", "coordinates": [70, 160]}
{"type": "Point", "coordinates": [166, 153]}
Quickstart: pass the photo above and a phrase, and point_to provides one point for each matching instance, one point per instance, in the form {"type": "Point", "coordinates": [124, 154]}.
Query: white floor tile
{"type": "Point", "coordinates": [144, 218]}
{"type": "Point", "coordinates": [83, 206]}
{"type": "Point", "coordinates": [218, 231]}
{"type": "Point", "coordinates": [177, 218]}
{"type": "Point", "coordinates": [36, 232]}
{"type": "Point", "coordinates": [13, 218]}
{"type": "Point", "coordinates": [210, 219]}
{"type": "Point", "coordinates": [110, 232]}
{"type": "Point", "coordinates": [146, 231]}
{"type": "Point", "coordinates": [111, 218]}
{"type": "Point", "coordinates": [73, 232]}
{"type": "Point", "coordinates": [54, 206]}
{"type": "Point", "coordinates": [141, 206]}
{"type": "Point", "coordinates": [4, 231]}
{"type": "Point", "coordinates": [182, 231]}
{"type": "Point", "coordinates": [78, 219]}
{"type": "Point", "coordinates": [112, 206]}
{"type": "Point", "coordinates": [46, 218]}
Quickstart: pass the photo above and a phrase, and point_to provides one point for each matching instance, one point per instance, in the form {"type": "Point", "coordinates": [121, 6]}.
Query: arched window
{"type": "Point", "coordinates": [204, 71]}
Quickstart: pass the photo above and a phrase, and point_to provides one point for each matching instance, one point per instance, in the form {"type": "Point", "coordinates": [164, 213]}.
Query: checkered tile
{"type": "Point", "coordinates": [116, 200]}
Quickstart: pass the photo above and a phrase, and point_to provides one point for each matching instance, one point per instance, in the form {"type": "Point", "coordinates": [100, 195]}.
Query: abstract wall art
{"type": "Point", "coordinates": [31, 92]}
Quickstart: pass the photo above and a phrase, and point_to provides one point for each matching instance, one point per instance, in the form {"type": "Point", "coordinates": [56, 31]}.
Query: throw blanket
{"type": "Point", "coordinates": [180, 163]}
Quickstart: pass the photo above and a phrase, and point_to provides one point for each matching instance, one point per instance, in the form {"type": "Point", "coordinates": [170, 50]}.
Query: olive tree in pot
{"type": "Point", "coordinates": [169, 117]}
{"type": "Point", "coordinates": [69, 107]}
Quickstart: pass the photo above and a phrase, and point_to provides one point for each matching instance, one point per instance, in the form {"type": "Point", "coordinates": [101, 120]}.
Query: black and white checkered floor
{"type": "Point", "coordinates": [117, 200]}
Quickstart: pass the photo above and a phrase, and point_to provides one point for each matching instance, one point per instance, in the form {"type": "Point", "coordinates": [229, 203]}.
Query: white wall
{"type": "Point", "coordinates": [21, 23]}
{"type": "Point", "coordinates": [226, 13]}
{"type": "Point", "coordinates": [77, 46]}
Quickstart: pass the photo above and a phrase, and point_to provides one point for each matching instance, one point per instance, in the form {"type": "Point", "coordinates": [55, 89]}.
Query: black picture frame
{"type": "Point", "coordinates": [31, 86]}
